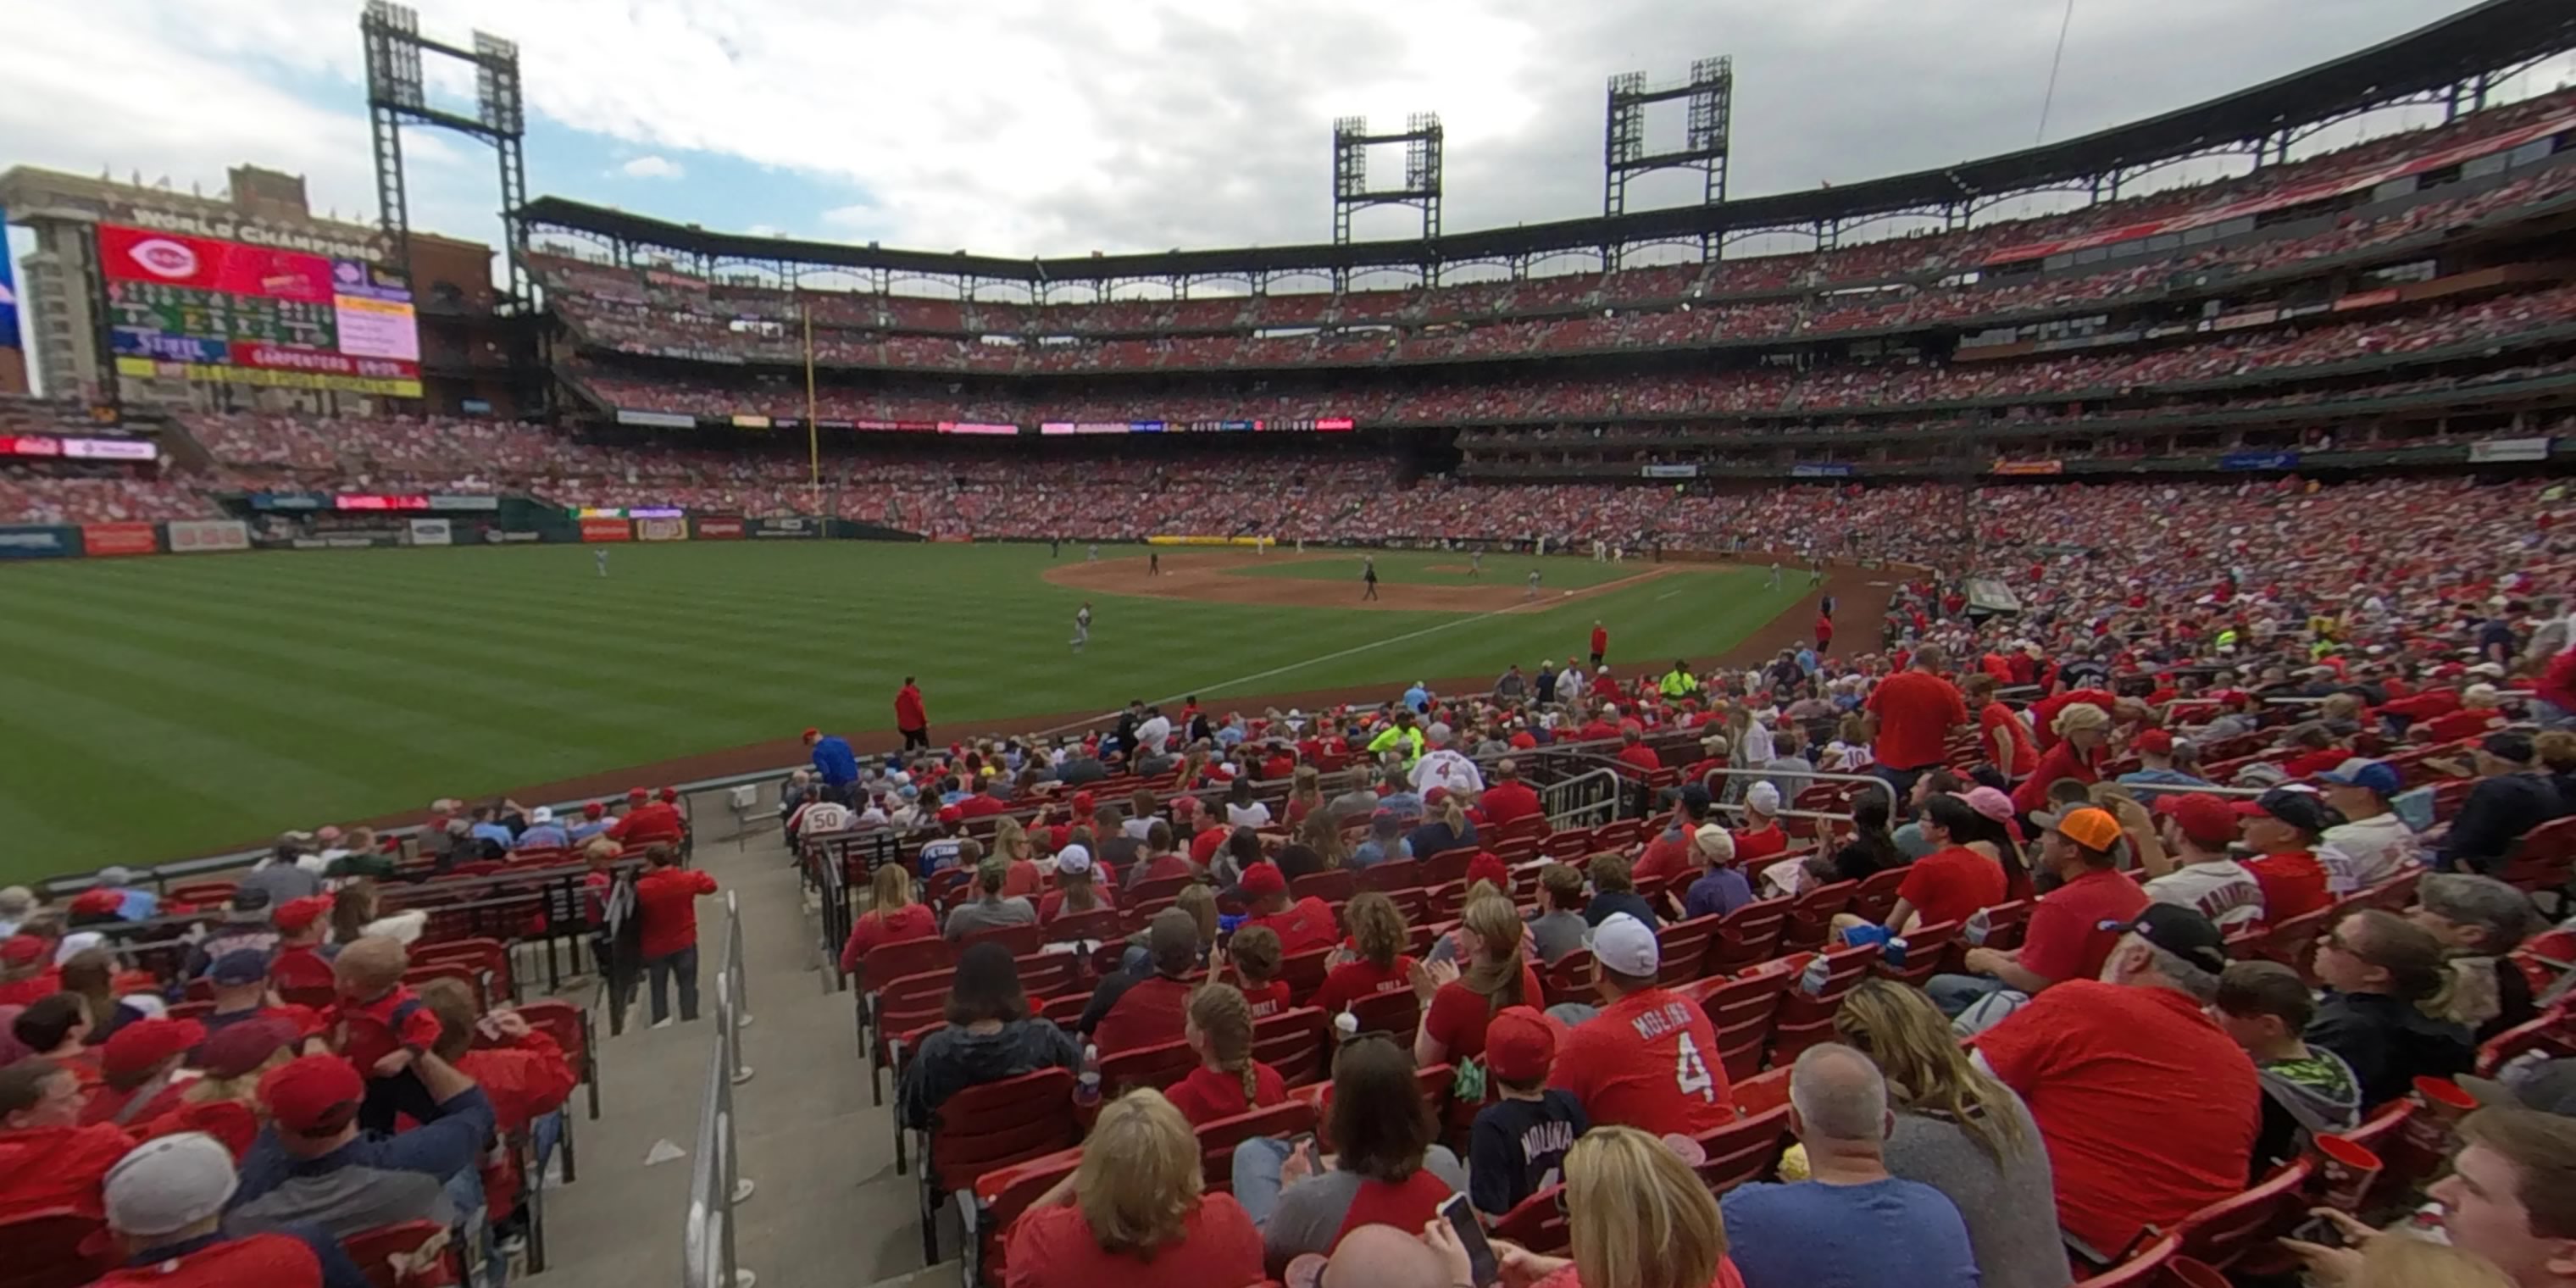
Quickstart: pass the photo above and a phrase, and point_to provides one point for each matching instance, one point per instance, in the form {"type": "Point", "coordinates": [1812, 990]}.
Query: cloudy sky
{"type": "Point", "coordinates": [1016, 126]}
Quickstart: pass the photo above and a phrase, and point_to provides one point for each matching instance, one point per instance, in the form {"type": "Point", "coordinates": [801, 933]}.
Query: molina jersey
{"type": "Point", "coordinates": [1649, 1061]}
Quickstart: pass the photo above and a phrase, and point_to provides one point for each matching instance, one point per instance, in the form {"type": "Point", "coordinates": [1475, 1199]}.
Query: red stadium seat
{"type": "Point", "coordinates": [1749, 936]}
{"type": "Point", "coordinates": [54, 1248]}
{"type": "Point", "coordinates": [1744, 1150]}
{"type": "Point", "coordinates": [1535, 1223]}
{"type": "Point", "coordinates": [989, 1126]}
{"type": "Point", "coordinates": [2222, 1234]}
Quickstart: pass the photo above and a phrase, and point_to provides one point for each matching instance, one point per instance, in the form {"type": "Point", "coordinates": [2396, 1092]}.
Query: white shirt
{"type": "Point", "coordinates": [1255, 814]}
{"type": "Point", "coordinates": [2220, 889]}
{"type": "Point", "coordinates": [1135, 828]}
{"type": "Point", "coordinates": [1757, 748]}
{"type": "Point", "coordinates": [2378, 846]}
{"type": "Point", "coordinates": [1152, 734]}
{"type": "Point", "coordinates": [824, 816]}
{"type": "Point", "coordinates": [1448, 768]}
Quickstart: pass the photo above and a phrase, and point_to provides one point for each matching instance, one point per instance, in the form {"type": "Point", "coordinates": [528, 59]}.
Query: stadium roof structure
{"type": "Point", "coordinates": [2439, 57]}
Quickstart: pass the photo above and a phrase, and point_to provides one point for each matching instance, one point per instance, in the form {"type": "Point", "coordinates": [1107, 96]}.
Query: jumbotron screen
{"type": "Point", "coordinates": [200, 309]}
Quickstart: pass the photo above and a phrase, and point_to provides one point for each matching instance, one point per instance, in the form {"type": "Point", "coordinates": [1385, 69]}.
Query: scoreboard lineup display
{"type": "Point", "coordinates": [200, 309]}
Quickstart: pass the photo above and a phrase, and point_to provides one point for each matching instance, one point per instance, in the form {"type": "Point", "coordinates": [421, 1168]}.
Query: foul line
{"type": "Point", "coordinates": [1451, 624]}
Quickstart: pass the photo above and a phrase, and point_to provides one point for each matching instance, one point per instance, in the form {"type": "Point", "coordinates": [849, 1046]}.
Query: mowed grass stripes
{"type": "Point", "coordinates": [155, 708]}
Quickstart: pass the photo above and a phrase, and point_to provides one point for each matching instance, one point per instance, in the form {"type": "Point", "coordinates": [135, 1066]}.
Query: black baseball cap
{"type": "Point", "coordinates": [2183, 932]}
{"type": "Point", "coordinates": [2304, 810]}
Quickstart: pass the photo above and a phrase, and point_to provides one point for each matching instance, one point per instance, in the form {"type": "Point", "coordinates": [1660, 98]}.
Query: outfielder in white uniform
{"type": "Point", "coordinates": [1082, 626]}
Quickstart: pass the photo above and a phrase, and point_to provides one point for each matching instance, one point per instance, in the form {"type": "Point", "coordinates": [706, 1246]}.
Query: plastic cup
{"type": "Point", "coordinates": [2347, 1171]}
{"type": "Point", "coordinates": [2433, 1128]}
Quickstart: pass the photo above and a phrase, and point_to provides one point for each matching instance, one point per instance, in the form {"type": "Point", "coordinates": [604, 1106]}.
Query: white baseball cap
{"type": "Point", "coordinates": [1623, 945]}
{"type": "Point", "coordinates": [541, 815]}
{"type": "Point", "coordinates": [1764, 797]}
{"type": "Point", "coordinates": [1073, 860]}
{"type": "Point", "coordinates": [164, 1186]}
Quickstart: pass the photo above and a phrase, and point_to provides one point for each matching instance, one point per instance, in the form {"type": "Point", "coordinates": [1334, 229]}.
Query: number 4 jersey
{"type": "Point", "coordinates": [1649, 1061]}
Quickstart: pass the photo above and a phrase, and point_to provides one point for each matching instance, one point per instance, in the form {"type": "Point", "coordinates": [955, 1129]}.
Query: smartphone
{"type": "Point", "coordinates": [2321, 1231]}
{"type": "Point", "coordinates": [1482, 1268]}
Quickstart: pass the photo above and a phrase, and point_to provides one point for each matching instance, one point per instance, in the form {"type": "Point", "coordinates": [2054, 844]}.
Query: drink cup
{"type": "Point", "coordinates": [2346, 1171]}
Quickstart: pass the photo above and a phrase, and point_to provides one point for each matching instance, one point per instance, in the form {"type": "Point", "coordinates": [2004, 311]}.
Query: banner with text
{"type": "Point", "coordinates": [792, 527]}
{"type": "Point", "coordinates": [606, 530]}
{"type": "Point", "coordinates": [2509, 449]}
{"type": "Point", "coordinates": [39, 541]}
{"type": "Point", "coordinates": [199, 536]}
{"type": "Point", "coordinates": [432, 532]}
{"type": "Point", "coordinates": [658, 529]}
{"type": "Point", "coordinates": [120, 539]}
{"type": "Point", "coordinates": [720, 529]}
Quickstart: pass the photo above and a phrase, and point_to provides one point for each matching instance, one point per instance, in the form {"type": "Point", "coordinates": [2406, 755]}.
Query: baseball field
{"type": "Point", "coordinates": [163, 707]}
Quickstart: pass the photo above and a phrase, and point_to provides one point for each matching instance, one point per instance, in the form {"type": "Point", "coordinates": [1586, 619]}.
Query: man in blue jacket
{"type": "Point", "coordinates": [311, 1164]}
{"type": "Point", "coordinates": [834, 763]}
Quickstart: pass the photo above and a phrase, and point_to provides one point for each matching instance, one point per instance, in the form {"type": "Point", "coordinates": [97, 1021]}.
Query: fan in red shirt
{"type": "Point", "coordinates": [140, 1067]}
{"type": "Point", "coordinates": [300, 969]}
{"type": "Point", "coordinates": [1507, 799]}
{"type": "Point", "coordinates": [2083, 734]}
{"type": "Point", "coordinates": [2477, 714]}
{"type": "Point", "coordinates": [1457, 1005]}
{"type": "Point", "coordinates": [1761, 836]}
{"type": "Point", "coordinates": [1915, 711]}
{"type": "Point", "coordinates": [2067, 936]}
{"type": "Point", "coordinates": [1649, 1060]}
{"type": "Point", "coordinates": [1077, 890]}
{"type": "Point", "coordinates": [647, 821]}
{"type": "Point", "coordinates": [987, 802]}
{"type": "Point", "coordinates": [47, 1158]}
{"type": "Point", "coordinates": [911, 717]}
{"type": "Point", "coordinates": [1634, 752]}
{"type": "Point", "coordinates": [2044, 713]}
{"type": "Point", "coordinates": [1128, 1011]}
{"type": "Point", "coordinates": [1669, 853]}
{"type": "Point", "coordinates": [1600, 643]}
{"type": "Point", "coordinates": [2282, 828]}
{"type": "Point", "coordinates": [892, 918]}
{"type": "Point", "coordinates": [2148, 1109]}
{"type": "Point", "coordinates": [1132, 1213]}
{"type": "Point", "coordinates": [1824, 633]}
{"type": "Point", "coordinates": [27, 970]}
{"type": "Point", "coordinates": [1302, 926]}
{"type": "Point", "coordinates": [1952, 881]}
{"type": "Point", "coordinates": [2002, 738]}
{"type": "Point", "coordinates": [666, 912]}
{"type": "Point", "coordinates": [1228, 1080]}
{"type": "Point", "coordinates": [1378, 963]}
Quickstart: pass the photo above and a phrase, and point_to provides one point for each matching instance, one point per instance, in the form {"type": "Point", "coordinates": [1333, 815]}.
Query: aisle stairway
{"type": "Point", "coordinates": [828, 1208]}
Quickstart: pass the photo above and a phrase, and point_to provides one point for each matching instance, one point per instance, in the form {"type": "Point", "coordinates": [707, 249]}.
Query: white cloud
{"type": "Point", "coordinates": [651, 167]}
{"type": "Point", "coordinates": [1059, 126]}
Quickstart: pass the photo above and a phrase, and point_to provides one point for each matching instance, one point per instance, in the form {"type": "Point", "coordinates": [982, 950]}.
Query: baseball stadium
{"type": "Point", "coordinates": [1747, 742]}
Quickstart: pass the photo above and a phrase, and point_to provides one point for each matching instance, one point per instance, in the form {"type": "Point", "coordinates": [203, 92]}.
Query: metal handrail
{"type": "Point", "coordinates": [716, 1183]}
{"type": "Point", "coordinates": [1566, 815]}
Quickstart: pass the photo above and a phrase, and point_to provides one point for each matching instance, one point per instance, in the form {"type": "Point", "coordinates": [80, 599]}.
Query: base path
{"type": "Point", "coordinates": [1213, 577]}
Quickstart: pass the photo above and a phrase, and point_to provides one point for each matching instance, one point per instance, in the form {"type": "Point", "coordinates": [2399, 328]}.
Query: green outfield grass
{"type": "Point", "coordinates": [1449, 568]}
{"type": "Point", "coordinates": [154, 708]}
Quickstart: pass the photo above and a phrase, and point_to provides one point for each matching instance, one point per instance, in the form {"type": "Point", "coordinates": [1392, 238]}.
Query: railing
{"type": "Point", "coordinates": [1714, 781]}
{"type": "Point", "coordinates": [716, 1184]}
{"type": "Point", "coordinates": [1588, 799]}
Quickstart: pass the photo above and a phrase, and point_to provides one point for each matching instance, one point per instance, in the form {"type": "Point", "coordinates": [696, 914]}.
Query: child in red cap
{"type": "Point", "coordinates": [299, 968]}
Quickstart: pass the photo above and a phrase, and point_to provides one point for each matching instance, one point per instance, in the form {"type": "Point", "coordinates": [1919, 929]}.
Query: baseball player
{"type": "Point", "coordinates": [600, 558]}
{"type": "Point", "coordinates": [1368, 576]}
{"type": "Point", "coordinates": [1475, 565]}
{"type": "Point", "coordinates": [1082, 626]}
{"type": "Point", "coordinates": [1533, 585]}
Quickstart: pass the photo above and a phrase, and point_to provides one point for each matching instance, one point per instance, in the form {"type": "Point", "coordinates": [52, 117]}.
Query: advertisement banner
{"type": "Point", "coordinates": [606, 530]}
{"type": "Point", "coordinates": [198, 536]}
{"type": "Point", "coordinates": [791, 527]}
{"type": "Point", "coordinates": [367, 539]}
{"type": "Point", "coordinates": [656, 419]}
{"type": "Point", "coordinates": [2259, 461]}
{"type": "Point", "coordinates": [2510, 449]}
{"type": "Point", "coordinates": [432, 532]}
{"type": "Point", "coordinates": [744, 421]}
{"type": "Point", "coordinates": [511, 536]}
{"type": "Point", "coordinates": [38, 541]}
{"type": "Point", "coordinates": [154, 369]}
{"type": "Point", "coordinates": [1670, 471]}
{"type": "Point", "coordinates": [719, 529]}
{"type": "Point", "coordinates": [1820, 470]}
{"type": "Point", "coordinates": [120, 539]}
{"type": "Point", "coordinates": [465, 503]}
{"type": "Point", "coordinates": [656, 529]}
{"type": "Point", "coordinates": [288, 501]}
{"type": "Point", "coordinates": [2030, 467]}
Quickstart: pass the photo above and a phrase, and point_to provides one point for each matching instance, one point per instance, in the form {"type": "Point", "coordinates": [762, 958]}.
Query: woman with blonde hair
{"type": "Point", "coordinates": [2083, 743]}
{"type": "Point", "coordinates": [1077, 887]}
{"type": "Point", "coordinates": [1305, 795]}
{"type": "Point", "coordinates": [1960, 1131]}
{"type": "Point", "coordinates": [893, 916]}
{"type": "Point", "coordinates": [1228, 1081]}
{"type": "Point", "coordinates": [1456, 1005]}
{"type": "Point", "coordinates": [1012, 844]}
{"type": "Point", "coordinates": [1324, 836]}
{"type": "Point", "coordinates": [1376, 963]}
{"type": "Point", "coordinates": [1200, 902]}
{"type": "Point", "coordinates": [1636, 1217]}
{"type": "Point", "coordinates": [1134, 1212]}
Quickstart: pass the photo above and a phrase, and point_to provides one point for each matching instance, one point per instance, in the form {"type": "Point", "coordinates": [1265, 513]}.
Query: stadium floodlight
{"type": "Point", "coordinates": [396, 97]}
{"type": "Point", "coordinates": [1710, 92]}
{"type": "Point", "coordinates": [1422, 138]}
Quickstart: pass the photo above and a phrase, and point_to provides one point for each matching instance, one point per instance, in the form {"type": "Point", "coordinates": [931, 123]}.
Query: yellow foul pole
{"type": "Point", "coordinates": [813, 430]}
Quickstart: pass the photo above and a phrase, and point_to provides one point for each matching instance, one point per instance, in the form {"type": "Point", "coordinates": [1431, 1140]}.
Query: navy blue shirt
{"type": "Point", "coordinates": [1886, 1234]}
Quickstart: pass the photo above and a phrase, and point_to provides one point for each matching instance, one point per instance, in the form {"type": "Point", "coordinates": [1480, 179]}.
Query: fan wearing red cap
{"type": "Point", "coordinates": [345, 1181]}
{"type": "Point", "coordinates": [594, 820]}
{"type": "Point", "coordinates": [1649, 1060]}
{"type": "Point", "coordinates": [647, 821]}
{"type": "Point", "coordinates": [300, 971]}
{"type": "Point", "coordinates": [90, 907]}
{"type": "Point", "coordinates": [27, 971]}
{"type": "Point", "coordinates": [139, 1067]}
{"type": "Point", "coordinates": [1517, 1147]}
{"type": "Point", "coordinates": [1302, 926]}
{"type": "Point", "coordinates": [2197, 829]}
{"type": "Point", "coordinates": [2283, 827]}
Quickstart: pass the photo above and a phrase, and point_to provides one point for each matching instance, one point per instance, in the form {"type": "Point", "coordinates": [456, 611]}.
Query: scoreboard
{"type": "Point", "coordinates": [200, 309]}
